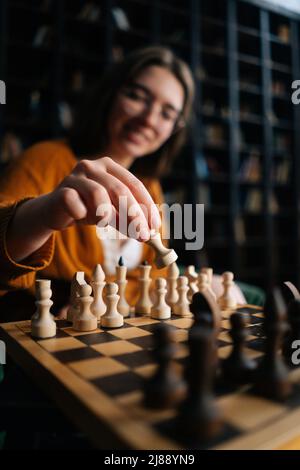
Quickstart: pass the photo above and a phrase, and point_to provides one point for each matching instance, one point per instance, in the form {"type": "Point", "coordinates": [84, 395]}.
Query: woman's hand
{"type": "Point", "coordinates": [96, 184]}
{"type": "Point", "coordinates": [91, 185]}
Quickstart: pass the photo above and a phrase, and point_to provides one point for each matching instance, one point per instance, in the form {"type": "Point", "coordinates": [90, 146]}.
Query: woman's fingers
{"type": "Point", "coordinates": [138, 190]}
{"type": "Point", "coordinates": [95, 198]}
{"type": "Point", "coordinates": [120, 196]}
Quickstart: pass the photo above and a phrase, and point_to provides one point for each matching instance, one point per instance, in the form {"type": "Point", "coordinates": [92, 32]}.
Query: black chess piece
{"type": "Point", "coordinates": [204, 318]}
{"type": "Point", "coordinates": [271, 377]}
{"type": "Point", "coordinates": [165, 388]}
{"type": "Point", "coordinates": [198, 415]}
{"type": "Point", "coordinates": [201, 309]}
{"type": "Point", "coordinates": [293, 335]}
{"type": "Point", "coordinates": [237, 368]}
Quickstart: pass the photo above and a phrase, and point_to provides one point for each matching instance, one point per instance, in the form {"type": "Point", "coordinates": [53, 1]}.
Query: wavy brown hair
{"type": "Point", "coordinates": [88, 136]}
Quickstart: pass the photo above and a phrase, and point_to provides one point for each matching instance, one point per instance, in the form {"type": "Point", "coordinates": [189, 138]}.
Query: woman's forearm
{"type": "Point", "coordinates": [27, 232]}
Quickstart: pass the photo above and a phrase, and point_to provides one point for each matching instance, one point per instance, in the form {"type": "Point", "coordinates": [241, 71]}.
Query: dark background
{"type": "Point", "coordinates": [242, 156]}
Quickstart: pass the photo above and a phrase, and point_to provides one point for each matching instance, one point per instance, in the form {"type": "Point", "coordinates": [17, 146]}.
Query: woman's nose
{"type": "Point", "coordinates": [150, 116]}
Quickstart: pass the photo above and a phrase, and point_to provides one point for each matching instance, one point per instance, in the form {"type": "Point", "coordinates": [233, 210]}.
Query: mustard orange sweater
{"type": "Point", "coordinates": [38, 171]}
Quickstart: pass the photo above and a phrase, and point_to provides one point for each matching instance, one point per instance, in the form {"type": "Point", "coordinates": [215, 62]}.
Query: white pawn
{"type": "Point", "coordinates": [192, 277]}
{"type": "Point", "coordinates": [42, 323]}
{"type": "Point", "coordinates": [227, 300]}
{"type": "Point", "coordinates": [73, 310]}
{"type": "Point", "coordinates": [121, 281]}
{"type": "Point", "coordinates": [84, 320]}
{"type": "Point", "coordinates": [204, 286]}
{"type": "Point", "coordinates": [144, 304]}
{"type": "Point", "coordinates": [172, 294]}
{"type": "Point", "coordinates": [160, 310]}
{"type": "Point", "coordinates": [98, 307]}
{"type": "Point", "coordinates": [112, 318]}
{"type": "Point", "coordinates": [182, 308]}
{"type": "Point", "coordinates": [209, 273]}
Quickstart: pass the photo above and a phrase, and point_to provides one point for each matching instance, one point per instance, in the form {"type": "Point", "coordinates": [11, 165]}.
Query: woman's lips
{"type": "Point", "coordinates": [135, 137]}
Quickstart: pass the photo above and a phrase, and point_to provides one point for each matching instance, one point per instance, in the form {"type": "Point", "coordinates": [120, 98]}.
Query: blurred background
{"type": "Point", "coordinates": [242, 156]}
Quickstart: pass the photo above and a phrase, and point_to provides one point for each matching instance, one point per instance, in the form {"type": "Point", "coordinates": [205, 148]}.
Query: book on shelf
{"type": "Point", "coordinates": [254, 202]}
{"type": "Point", "coordinates": [120, 18]}
{"type": "Point", "coordinates": [90, 12]}
{"type": "Point", "coordinates": [283, 33]}
{"type": "Point", "coordinates": [251, 169]}
{"type": "Point", "coordinates": [281, 172]}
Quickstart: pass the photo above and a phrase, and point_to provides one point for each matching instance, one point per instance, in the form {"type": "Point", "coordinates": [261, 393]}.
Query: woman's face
{"type": "Point", "coordinates": [144, 113]}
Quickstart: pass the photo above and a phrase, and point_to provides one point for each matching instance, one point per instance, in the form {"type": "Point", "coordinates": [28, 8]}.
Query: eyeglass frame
{"type": "Point", "coordinates": [180, 121]}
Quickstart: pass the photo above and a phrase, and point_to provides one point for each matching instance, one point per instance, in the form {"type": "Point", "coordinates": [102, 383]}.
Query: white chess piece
{"type": "Point", "coordinates": [160, 310]}
{"type": "Point", "coordinates": [84, 320]}
{"type": "Point", "coordinates": [172, 294]}
{"type": "Point", "coordinates": [112, 318]}
{"type": "Point", "coordinates": [144, 304]}
{"type": "Point", "coordinates": [227, 299]}
{"type": "Point", "coordinates": [98, 307]}
{"type": "Point", "coordinates": [42, 322]}
{"type": "Point", "coordinates": [204, 286]}
{"type": "Point", "coordinates": [164, 256]}
{"type": "Point", "coordinates": [121, 281]}
{"type": "Point", "coordinates": [192, 277]}
{"type": "Point", "coordinates": [182, 308]}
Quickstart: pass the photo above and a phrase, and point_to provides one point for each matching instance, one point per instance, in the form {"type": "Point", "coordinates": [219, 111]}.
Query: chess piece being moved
{"type": "Point", "coordinates": [271, 377]}
{"type": "Point", "coordinates": [42, 323]}
{"type": "Point", "coordinates": [164, 256]}
{"type": "Point", "coordinates": [84, 320]}
{"type": "Point", "coordinates": [98, 307]}
{"type": "Point", "coordinates": [121, 281]}
{"type": "Point", "coordinates": [112, 318]}
{"type": "Point", "coordinates": [144, 304]}
{"type": "Point", "coordinates": [160, 310]}
{"type": "Point", "coordinates": [227, 299]}
{"type": "Point", "coordinates": [199, 416]}
{"type": "Point", "coordinates": [172, 294]}
{"type": "Point", "coordinates": [237, 367]}
{"type": "Point", "coordinates": [182, 308]}
{"type": "Point", "coordinates": [165, 389]}
{"type": "Point", "coordinates": [192, 276]}
{"type": "Point", "coordinates": [73, 310]}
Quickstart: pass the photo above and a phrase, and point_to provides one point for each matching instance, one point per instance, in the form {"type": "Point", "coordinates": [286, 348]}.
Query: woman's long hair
{"type": "Point", "coordinates": [88, 136]}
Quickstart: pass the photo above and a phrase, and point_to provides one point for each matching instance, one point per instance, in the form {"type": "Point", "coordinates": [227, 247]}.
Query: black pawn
{"type": "Point", "coordinates": [289, 348]}
{"type": "Point", "coordinates": [204, 318]}
{"type": "Point", "coordinates": [200, 308]}
{"type": "Point", "coordinates": [237, 367]}
{"type": "Point", "coordinates": [271, 377]}
{"type": "Point", "coordinates": [198, 416]}
{"type": "Point", "coordinates": [165, 389]}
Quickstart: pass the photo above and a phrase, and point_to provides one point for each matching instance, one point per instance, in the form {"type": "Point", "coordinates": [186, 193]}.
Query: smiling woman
{"type": "Point", "coordinates": [125, 135]}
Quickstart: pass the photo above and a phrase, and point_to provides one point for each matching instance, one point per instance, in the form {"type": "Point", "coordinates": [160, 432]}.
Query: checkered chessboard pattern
{"type": "Point", "coordinates": [117, 361]}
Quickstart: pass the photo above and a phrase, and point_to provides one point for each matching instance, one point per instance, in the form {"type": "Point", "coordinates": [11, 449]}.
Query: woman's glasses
{"type": "Point", "coordinates": [137, 100]}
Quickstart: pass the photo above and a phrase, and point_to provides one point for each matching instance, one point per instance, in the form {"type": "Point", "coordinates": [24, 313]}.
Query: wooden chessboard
{"type": "Point", "coordinates": [96, 379]}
